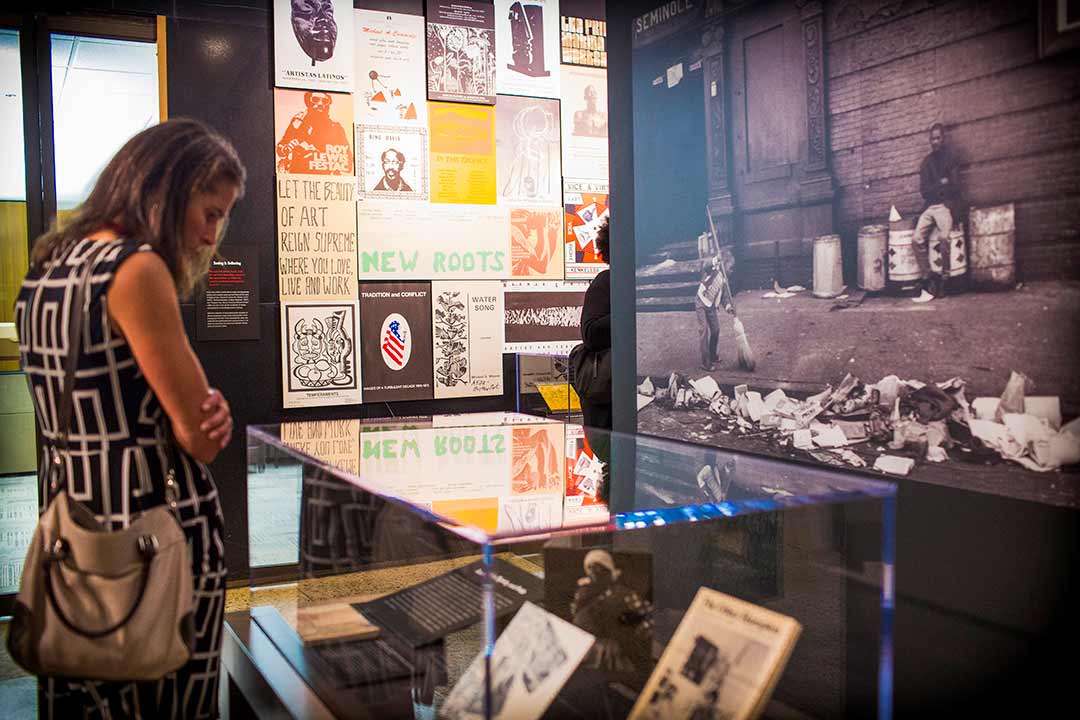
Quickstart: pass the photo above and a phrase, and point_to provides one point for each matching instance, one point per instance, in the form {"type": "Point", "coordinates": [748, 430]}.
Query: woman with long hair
{"type": "Point", "coordinates": [142, 403]}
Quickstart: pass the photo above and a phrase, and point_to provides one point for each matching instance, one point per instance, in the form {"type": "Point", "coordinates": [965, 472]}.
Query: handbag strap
{"type": "Point", "coordinates": [148, 547]}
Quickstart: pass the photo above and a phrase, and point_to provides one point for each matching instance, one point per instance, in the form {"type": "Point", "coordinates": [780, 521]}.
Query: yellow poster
{"type": "Point", "coordinates": [462, 153]}
{"type": "Point", "coordinates": [559, 396]}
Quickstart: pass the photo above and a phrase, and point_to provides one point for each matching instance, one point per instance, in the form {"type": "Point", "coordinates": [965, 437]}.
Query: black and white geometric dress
{"type": "Point", "coordinates": [119, 456]}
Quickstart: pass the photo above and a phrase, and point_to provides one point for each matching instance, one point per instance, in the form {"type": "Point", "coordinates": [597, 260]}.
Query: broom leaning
{"type": "Point", "coordinates": [742, 343]}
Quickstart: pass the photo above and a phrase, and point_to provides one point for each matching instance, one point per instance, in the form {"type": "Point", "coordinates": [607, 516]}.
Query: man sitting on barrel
{"type": "Point", "coordinates": [938, 184]}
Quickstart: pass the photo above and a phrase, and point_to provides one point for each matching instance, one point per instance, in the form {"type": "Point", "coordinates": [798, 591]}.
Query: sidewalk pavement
{"type": "Point", "coordinates": [802, 344]}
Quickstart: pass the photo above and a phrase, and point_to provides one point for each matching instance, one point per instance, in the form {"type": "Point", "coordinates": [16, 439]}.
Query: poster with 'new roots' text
{"type": "Point", "coordinates": [467, 327]}
{"type": "Point", "coordinates": [320, 358]}
{"type": "Point", "coordinates": [461, 52]}
{"type": "Point", "coordinates": [396, 332]}
{"type": "Point", "coordinates": [313, 44]}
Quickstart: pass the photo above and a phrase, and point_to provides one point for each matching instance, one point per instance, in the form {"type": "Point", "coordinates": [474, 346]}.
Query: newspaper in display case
{"type": "Point", "coordinates": [723, 661]}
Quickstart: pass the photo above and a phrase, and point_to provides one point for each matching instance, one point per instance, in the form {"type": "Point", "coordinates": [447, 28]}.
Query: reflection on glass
{"type": "Point", "coordinates": [104, 91]}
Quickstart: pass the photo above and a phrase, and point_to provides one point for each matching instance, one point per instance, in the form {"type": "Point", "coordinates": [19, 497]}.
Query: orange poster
{"type": "Point", "coordinates": [462, 153]}
{"type": "Point", "coordinates": [313, 132]}
{"type": "Point", "coordinates": [535, 250]}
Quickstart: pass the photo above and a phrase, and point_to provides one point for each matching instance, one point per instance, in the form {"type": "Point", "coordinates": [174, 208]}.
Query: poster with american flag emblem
{"type": "Point", "coordinates": [395, 326]}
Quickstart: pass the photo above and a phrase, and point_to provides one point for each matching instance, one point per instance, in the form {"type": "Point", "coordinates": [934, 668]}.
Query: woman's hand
{"type": "Point", "coordinates": [219, 424]}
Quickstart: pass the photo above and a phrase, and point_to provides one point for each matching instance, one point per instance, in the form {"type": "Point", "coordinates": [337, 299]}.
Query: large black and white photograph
{"type": "Point", "coordinates": [863, 252]}
{"type": "Point", "coordinates": [313, 44]}
{"type": "Point", "coordinates": [461, 52]}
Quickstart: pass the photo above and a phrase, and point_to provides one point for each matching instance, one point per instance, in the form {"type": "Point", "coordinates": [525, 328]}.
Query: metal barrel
{"type": "Point", "coordinates": [958, 257]}
{"type": "Point", "coordinates": [872, 249]}
{"type": "Point", "coordinates": [903, 265]}
{"type": "Point", "coordinates": [828, 269]}
{"type": "Point", "coordinates": [993, 247]}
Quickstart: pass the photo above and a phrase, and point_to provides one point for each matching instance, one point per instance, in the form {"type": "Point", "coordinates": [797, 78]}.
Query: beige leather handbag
{"type": "Point", "coordinates": [97, 604]}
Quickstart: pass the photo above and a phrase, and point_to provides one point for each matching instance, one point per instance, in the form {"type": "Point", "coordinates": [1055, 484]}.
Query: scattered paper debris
{"type": "Point", "coordinates": [894, 215]}
{"type": "Point", "coordinates": [643, 400]}
{"type": "Point", "coordinates": [647, 388]}
{"type": "Point", "coordinates": [894, 465]}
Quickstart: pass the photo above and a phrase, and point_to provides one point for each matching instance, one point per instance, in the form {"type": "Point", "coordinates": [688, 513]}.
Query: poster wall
{"type": "Point", "coordinates": [543, 316]}
{"type": "Point", "coordinates": [461, 51]}
{"type": "Point", "coordinates": [585, 211]}
{"type": "Point", "coordinates": [527, 140]}
{"type": "Point", "coordinates": [390, 78]}
{"type": "Point", "coordinates": [313, 130]}
{"type": "Point", "coordinates": [320, 353]}
{"type": "Point", "coordinates": [422, 242]}
{"type": "Point", "coordinates": [313, 44]}
{"type": "Point", "coordinates": [527, 42]}
{"type": "Point", "coordinates": [462, 153]}
{"type": "Point", "coordinates": [584, 123]}
{"type": "Point", "coordinates": [467, 328]}
{"type": "Point", "coordinates": [396, 341]}
{"type": "Point", "coordinates": [535, 250]}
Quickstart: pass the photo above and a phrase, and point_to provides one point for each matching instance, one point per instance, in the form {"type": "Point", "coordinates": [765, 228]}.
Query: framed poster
{"type": "Point", "coordinates": [396, 332]}
{"type": "Point", "coordinates": [535, 250]}
{"type": "Point", "coordinates": [390, 79]}
{"type": "Point", "coordinates": [316, 242]}
{"type": "Point", "coordinates": [586, 208]}
{"type": "Point", "coordinates": [462, 154]}
{"type": "Point", "coordinates": [584, 123]}
{"type": "Point", "coordinates": [461, 52]}
{"type": "Point", "coordinates": [542, 316]}
{"type": "Point", "coordinates": [443, 242]}
{"type": "Point", "coordinates": [527, 150]}
{"type": "Point", "coordinates": [313, 44]}
{"type": "Point", "coordinates": [527, 47]}
{"type": "Point", "coordinates": [314, 132]}
{"type": "Point", "coordinates": [320, 359]}
{"type": "Point", "coordinates": [392, 162]}
{"type": "Point", "coordinates": [467, 327]}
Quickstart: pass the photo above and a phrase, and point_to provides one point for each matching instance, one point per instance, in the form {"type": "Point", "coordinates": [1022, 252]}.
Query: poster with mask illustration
{"type": "Point", "coordinates": [396, 332]}
{"type": "Point", "coordinates": [313, 44]}
{"type": "Point", "coordinates": [390, 81]}
{"type": "Point", "coordinates": [527, 156]}
{"type": "Point", "coordinates": [527, 47]}
{"type": "Point", "coordinates": [467, 326]}
{"type": "Point", "coordinates": [320, 353]}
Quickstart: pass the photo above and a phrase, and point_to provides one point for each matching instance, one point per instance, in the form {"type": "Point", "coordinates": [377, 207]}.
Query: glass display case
{"type": "Point", "coordinates": [505, 565]}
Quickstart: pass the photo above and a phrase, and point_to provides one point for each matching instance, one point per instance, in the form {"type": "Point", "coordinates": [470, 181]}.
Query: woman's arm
{"type": "Point", "coordinates": [142, 302]}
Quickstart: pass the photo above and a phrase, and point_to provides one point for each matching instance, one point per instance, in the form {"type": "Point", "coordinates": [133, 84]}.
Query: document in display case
{"type": "Point", "coordinates": [497, 583]}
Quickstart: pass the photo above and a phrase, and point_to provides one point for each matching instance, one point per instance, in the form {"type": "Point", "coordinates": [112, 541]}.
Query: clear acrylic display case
{"type": "Point", "coordinates": [499, 581]}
